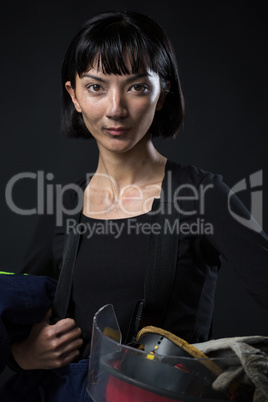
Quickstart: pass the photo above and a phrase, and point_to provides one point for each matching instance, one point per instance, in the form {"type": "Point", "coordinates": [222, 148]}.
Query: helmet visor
{"type": "Point", "coordinates": [124, 373]}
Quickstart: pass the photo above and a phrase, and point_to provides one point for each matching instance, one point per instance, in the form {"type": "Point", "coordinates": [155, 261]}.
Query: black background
{"type": "Point", "coordinates": [221, 48]}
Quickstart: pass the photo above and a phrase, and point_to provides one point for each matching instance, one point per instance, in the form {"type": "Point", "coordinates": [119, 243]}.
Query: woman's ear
{"type": "Point", "coordinates": [162, 96]}
{"type": "Point", "coordinates": [71, 92]}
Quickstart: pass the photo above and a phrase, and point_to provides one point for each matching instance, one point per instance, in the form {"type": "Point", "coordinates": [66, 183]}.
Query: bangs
{"type": "Point", "coordinates": [117, 49]}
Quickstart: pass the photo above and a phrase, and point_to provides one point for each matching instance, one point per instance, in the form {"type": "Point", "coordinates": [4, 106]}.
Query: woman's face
{"type": "Point", "coordinates": [118, 110]}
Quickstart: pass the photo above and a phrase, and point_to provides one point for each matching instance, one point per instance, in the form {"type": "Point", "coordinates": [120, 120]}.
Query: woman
{"type": "Point", "coordinates": [121, 87]}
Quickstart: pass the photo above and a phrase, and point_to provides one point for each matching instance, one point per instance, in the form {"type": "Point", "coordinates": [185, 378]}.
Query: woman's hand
{"type": "Point", "coordinates": [48, 346]}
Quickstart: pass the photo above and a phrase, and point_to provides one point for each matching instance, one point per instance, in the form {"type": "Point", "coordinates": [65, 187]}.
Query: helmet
{"type": "Point", "coordinates": [158, 367]}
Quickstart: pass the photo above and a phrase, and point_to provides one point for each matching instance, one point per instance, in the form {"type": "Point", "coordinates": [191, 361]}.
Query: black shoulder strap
{"type": "Point", "coordinates": [64, 286]}
{"type": "Point", "coordinates": [163, 246]}
{"type": "Point", "coordinates": [162, 256]}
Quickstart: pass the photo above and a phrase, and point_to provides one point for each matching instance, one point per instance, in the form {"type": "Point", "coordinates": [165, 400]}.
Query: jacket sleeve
{"type": "Point", "coordinates": [39, 258]}
{"type": "Point", "coordinates": [44, 255]}
{"type": "Point", "coordinates": [237, 237]}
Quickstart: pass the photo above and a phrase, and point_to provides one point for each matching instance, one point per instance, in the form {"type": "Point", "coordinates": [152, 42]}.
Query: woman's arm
{"type": "Point", "coordinates": [47, 346]}
{"type": "Point", "coordinates": [240, 241]}
{"type": "Point", "coordinates": [39, 258]}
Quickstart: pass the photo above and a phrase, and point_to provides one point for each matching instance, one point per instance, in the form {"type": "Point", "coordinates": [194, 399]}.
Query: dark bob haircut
{"type": "Point", "coordinates": [107, 39]}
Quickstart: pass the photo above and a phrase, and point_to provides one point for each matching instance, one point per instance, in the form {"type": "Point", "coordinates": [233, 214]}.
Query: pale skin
{"type": "Point", "coordinates": [130, 170]}
{"type": "Point", "coordinates": [118, 111]}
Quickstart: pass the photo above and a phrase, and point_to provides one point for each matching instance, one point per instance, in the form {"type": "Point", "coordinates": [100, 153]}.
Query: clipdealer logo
{"type": "Point", "coordinates": [255, 221]}
{"type": "Point", "coordinates": [50, 198]}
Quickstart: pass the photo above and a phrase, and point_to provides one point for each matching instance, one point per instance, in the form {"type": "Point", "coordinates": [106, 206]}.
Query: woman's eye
{"type": "Point", "coordinates": [94, 87]}
{"type": "Point", "coordinates": [139, 88]}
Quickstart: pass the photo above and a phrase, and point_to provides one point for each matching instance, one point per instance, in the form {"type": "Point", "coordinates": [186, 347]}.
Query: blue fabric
{"type": "Point", "coordinates": [24, 300]}
{"type": "Point", "coordinates": [67, 384]}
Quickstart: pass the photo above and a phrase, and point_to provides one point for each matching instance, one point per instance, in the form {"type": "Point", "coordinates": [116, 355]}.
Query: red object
{"type": "Point", "coordinates": [121, 391]}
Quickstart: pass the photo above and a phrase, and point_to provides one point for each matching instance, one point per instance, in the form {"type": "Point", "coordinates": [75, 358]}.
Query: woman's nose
{"type": "Point", "coordinates": [117, 106]}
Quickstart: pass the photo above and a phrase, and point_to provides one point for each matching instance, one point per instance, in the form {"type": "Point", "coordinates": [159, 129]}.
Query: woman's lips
{"type": "Point", "coordinates": [116, 131]}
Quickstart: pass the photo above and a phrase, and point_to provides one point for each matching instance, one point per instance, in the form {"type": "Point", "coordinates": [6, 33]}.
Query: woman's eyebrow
{"type": "Point", "coordinates": [138, 76]}
{"type": "Point", "coordinates": [129, 79]}
{"type": "Point", "coordinates": [94, 77]}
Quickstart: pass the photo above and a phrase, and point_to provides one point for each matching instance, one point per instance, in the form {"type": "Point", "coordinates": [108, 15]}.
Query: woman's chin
{"type": "Point", "coordinates": [117, 145]}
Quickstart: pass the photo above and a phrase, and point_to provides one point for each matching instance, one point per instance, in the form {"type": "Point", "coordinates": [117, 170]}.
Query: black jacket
{"type": "Point", "coordinates": [208, 229]}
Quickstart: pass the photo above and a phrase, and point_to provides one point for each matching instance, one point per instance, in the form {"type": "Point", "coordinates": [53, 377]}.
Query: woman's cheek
{"type": "Point", "coordinates": [143, 107]}
{"type": "Point", "coordinates": [92, 113]}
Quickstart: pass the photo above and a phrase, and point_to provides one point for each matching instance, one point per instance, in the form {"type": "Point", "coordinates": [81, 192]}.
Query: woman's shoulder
{"type": "Point", "coordinates": [192, 174]}
{"type": "Point", "coordinates": [72, 192]}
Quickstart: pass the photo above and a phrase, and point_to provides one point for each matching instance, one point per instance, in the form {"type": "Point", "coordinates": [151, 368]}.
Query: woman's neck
{"type": "Point", "coordinates": [139, 166]}
{"type": "Point", "coordinates": [125, 184]}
